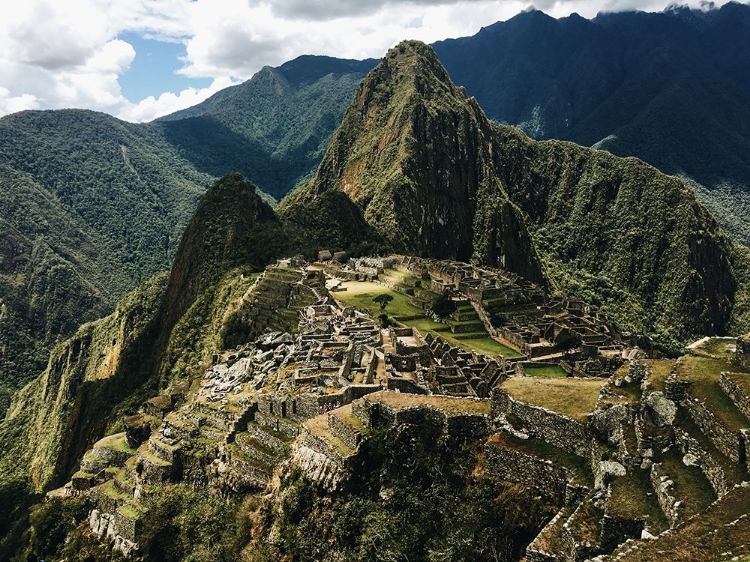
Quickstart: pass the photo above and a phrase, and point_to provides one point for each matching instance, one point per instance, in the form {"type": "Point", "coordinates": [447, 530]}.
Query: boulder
{"type": "Point", "coordinates": [662, 409]}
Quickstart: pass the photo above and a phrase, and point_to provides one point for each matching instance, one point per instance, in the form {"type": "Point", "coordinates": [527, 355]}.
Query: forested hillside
{"type": "Point", "coordinates": [92, 206]}
{"type": "Point", "coordinates": [671, 88]}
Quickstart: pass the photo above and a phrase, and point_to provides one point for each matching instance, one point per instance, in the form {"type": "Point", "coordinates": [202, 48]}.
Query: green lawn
{"type": "Point", "coordinates": [553, 371]}
{"type": "Point", "coordinates": [660, 369]}
{"type": "Point", "coordinates": [574, 398]}
{"type": "Point", "coordinates": [704, 374]}
{"type": "Point", "coordinates": [690, 484]}
{"type": "Point", "coordinates": [718, 347]}
{"type": "Point", "coordinates": [360, 294]}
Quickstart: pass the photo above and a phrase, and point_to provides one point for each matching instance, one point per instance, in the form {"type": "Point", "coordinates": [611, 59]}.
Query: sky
{"type": "Point", "coordinates": [141, 59]}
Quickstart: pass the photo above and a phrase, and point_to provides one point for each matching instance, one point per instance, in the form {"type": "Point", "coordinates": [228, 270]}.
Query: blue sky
{"type": "Point", "coordinates": [154, 69]}
{"type": "Point", "coordinates": [141, 59]}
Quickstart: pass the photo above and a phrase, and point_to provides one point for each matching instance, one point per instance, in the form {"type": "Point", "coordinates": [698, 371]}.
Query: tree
{"type": "Point", "coordinates": [383, 300]}
{"type": "Point", "coordinates": [444, 305]}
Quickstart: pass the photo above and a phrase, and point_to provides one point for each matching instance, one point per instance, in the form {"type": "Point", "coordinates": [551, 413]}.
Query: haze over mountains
{"type": "Point", "coordinates": [93, 206]}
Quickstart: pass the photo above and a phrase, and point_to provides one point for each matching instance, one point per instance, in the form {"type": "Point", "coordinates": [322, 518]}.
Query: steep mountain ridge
{"type": "Point", "coordinates": [671, 88]}
{"type": "Point", "coordinates": [409, 154]}
{"type": "Point", "coordinates": [622, 81]}
{"type": "Point", "coordinates": [433, 176]}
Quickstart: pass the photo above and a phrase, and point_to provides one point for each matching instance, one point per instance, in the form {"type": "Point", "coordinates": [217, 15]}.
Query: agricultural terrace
{"type": "Point", "coordinates": [360, 294]}
{"type": "Point", "coordinates": [572, 397]}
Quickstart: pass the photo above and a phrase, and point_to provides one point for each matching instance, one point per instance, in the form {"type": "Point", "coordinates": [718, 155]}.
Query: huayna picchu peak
{"type": "Point", "coordinates": [434, 177]}
{"type": "Point", "coordinates": [449, 342]}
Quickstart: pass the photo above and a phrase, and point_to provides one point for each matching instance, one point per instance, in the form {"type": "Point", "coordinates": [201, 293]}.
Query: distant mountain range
{"type": "Point", "coordinates": [91, 206]}
{"type": "Point", "coordinates": [415, 167]}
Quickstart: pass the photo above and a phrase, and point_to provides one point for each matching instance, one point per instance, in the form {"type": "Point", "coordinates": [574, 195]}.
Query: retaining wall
{"type": "Point", "coordinates": [556, 429]}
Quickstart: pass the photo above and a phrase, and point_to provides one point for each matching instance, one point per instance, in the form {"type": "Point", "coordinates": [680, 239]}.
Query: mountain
{"type": "Point", "coordinates": [275, 127]}
{"type": "Point", "coordinates": [582, 221]}
{"type": "Point", "coordinates": [91, 206]}
{"type": "Point", "coordinates": [433, 176]}
{"type": "Point", "coordinates": [672, 88]}
{"type": "Point", "coordinates": [153, 336]}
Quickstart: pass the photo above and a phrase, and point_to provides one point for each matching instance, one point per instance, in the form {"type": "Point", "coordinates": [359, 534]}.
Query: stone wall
{"type": "Point", "coordinates": [556, 429]}
{"type": "Point", "coordinates": [128, 527]}
{"type": "Point", "coordinates": [616, 530]}
{"type": "Point", "coordinates": [549, 479]}
{"type": "Point", "coordinates": [572, 549]}
{"type": "Point", "coordinates": [306, 406]}
{"type": "Point", "coordinates": [536, 552]}
{"type": "Point", "coordinates": [460, 426]}
{"type": "Point", "coordinates": [669, 504]}
{"type": "Point", "coordinates": [733, 390]}
{"type": "Point", "coordinates": [244, 442]}
{"type": "Point", "coordinates": [468, 426]}
{"type": "Point", "coordinates": [423, 353]}
{"type": "Point", "coordinates": [727, 441]}
{"type": "Point", "coordinates": [242, 474]}
{"type": "Point", "coordinates": [266, 438]}
{"type": "Point", "coordinates": [405, 385]}
{"type": "Point", "coordinates": [348, 434]}
{"type": "Point", "coordinates": [695, 454]}
{"type": "Point", "coordinates": [322, 446]}
{"type": "Point", "coordinates": [318, 467]}
{"type": "Point", "coordinates": [742, 355]}
{"type": "Point", "coordinates": [676, 390]}
{"type": "Point", "coordinates": [282, 425]}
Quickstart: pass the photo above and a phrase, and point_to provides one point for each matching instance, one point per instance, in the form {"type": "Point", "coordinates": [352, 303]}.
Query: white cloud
{"type": "Point", "coordinates": [10, 104]}
{"type": "Point", "coordinates": [151, 108]}
{"type": "Point", "coordinates": [56, 54]}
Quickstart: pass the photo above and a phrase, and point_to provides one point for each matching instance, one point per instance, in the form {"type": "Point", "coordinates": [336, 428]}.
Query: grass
{"type": "Point", "coordinates": [742, 380]}
{"type": "Point", "coordinates": [109, 489]}
{"type": "Point", "coordinates": [318, 426]}
{"type": "Point", "coordinates": [360, 294]}
{"type": "Point", "coordinates": [690, 484]}
{"type": "Point", "coordinates": [718, 348]}
{"type": "Point", "coordinates": [735, 472]}
{"type": "Point", "coordinates": [345, 415]}
{"type": "Point", "coordinates": [554, 371]}
{"type": "Point", "coordinates": [586, 524]}
{"type": "Point", "coordinates": [704, 373]}
{"type": "Point", "coordinates": [660, 369]}
{"type": "Point", "coordinates": [632, 497]}
{"type": "Point", "coordinates": [702, 538]}
{"type": "Point", "coordinates": [578, 466]}
{"type": "Point", "coordinates": [129, 511]}
{"type": "Point", "coordinates": [449, 405]}
{"type": "Point", "coordinates": [574, 398]}
{"type": "Point", "coordinates": [400, 276]}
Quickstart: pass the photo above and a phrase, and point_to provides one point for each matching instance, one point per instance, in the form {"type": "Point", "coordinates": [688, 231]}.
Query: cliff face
{"type": "Point", "coordinates": [434, 177]}
{"type": "Point", "coordinates": [89, 377]}
{"type": "Point", "coordinates": [607, 224]}
{"type": "Point", "coordinates": [411, 154]}
{"type": "Point", "coordinates": [154, 335]}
